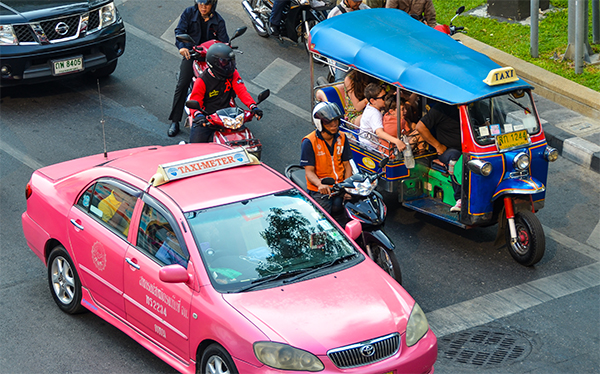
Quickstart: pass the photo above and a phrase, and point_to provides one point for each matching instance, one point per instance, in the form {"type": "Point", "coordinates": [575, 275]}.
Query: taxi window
{"type": "Point", "coordinates": [157, 238]}
{"type": "Point", "coordinates": [111, 204]}
{"type": "Point", "coordinates": [502, 114]}
{"type": "Point", "coordinates": [245, 242]}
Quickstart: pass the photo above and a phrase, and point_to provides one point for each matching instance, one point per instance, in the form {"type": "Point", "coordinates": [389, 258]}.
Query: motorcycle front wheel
{"type": "Point", "coordinates": [387, 261]}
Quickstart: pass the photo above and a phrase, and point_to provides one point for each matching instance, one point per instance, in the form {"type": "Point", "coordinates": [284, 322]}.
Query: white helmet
{"type": "Point", "coordinates": [325, 111]}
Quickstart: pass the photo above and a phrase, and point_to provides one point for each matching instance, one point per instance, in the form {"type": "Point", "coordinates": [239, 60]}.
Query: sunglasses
{"type": "Point", "coordinates": [380, 97]}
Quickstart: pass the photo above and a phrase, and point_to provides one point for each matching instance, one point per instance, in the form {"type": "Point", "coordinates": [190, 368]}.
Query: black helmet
{"type": "Point", "coordinates": [325, 111]}
{"type": "Point", "coordinates": [221, 60]}
{"type": "Point", "coordinates": [207, 2]}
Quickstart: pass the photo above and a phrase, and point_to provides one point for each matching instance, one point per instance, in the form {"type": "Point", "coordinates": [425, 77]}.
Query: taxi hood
{"type": "Point", "coordinates": [330, 311]}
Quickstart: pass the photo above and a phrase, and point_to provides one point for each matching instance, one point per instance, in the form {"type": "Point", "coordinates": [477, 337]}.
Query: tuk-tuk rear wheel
{"type": "Point", "coordinates": [530, 246]}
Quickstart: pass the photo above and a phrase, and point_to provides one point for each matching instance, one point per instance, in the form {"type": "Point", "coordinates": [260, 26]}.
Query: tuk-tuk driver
{"type": "Point", "coordinates": [443, 121]}
{"type": "Point", "coordinates": [326, 153]}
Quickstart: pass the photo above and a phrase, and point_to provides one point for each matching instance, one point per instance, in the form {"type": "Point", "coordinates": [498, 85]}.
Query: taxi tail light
{"type": "Point", "coordinates": [28, 191]}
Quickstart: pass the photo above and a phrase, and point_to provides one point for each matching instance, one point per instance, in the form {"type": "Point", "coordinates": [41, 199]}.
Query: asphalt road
{"type": "Point", "coordinates": [547, 316]}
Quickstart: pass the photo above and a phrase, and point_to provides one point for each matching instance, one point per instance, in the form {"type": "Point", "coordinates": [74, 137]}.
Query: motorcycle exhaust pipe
{"type": "Point", "coordinates": [259, 24]}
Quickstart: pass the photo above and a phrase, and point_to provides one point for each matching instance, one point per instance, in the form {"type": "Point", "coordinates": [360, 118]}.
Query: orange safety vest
{"type": "Point", "coordinates": [326, 165]}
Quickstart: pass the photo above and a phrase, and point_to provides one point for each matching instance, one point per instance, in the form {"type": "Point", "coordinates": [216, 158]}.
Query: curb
{"type": "Point", "coordinates": [560, 90]}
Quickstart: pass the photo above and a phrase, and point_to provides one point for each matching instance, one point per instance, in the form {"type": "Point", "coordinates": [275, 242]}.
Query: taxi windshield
{"type": "Point", "coordinates": [277, 237]}
{"type": "Point", "coordinates": [502, 114]}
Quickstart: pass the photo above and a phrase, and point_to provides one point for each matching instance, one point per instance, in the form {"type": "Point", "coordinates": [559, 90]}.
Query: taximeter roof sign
{"type": "Point", "coordinates": [200, 165]}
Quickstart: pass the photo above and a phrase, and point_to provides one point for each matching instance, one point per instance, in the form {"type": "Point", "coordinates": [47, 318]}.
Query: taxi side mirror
{"type": "Point", "coordinates": [174, 274]}
{"type": "Point", "coordinates": [353, 229]}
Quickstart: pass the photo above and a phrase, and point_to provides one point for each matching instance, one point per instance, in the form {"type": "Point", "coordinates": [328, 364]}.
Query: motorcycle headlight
{"type": "Point", "coordinates": [108, 14]}
{"type": "Point", "coordinates": [285, 357]}
{"type": "Point", "coordinates": [417, 326]}
{"type": "Point", "coordinates": [363, 188]}
{"type": "Point", "coordinates": [233, 123]}
{"type": "Point", "coordinates": [7, 35]}
{"type": "Point", "coordinates": [521, 161]}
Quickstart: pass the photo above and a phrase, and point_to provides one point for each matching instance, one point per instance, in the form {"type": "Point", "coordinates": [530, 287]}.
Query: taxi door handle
{"type": "Point", "coordinates": [76, 224]}
{"type": "Point", "coordinates": [132, 263]}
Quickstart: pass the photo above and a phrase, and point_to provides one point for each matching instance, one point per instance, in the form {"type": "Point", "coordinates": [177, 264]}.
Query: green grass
{"type": "Point", "coordinates": [513, 38]}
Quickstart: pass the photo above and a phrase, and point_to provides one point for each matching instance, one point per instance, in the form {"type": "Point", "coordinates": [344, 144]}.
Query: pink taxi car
{"type": "Point", "coordinates": [217, 263]}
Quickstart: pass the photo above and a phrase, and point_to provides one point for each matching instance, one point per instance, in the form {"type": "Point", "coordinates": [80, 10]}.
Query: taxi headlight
{"type": "Point", "coordinates": [285, 357]}
{"type": "Point", "coordinates": [7, 35]}
{"type": "Point", "coordinates": [480, 167]}
{"type": "Point", "coordinates": [233, 123]}
{"type": "Point", "coordinates": [108, 14]}
{"type": "Point", "coordinates": [550, 154]}
{"type": "Point", "coordinates": [363, 188]}
{"type": "Point", "coordinates": [521, 161]}
{"type": "Point", "coordinates": [417, 326]}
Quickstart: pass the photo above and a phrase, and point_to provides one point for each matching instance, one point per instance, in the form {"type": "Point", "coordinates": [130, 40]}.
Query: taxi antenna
{"type": "Point", "coordinates": [102, 119]}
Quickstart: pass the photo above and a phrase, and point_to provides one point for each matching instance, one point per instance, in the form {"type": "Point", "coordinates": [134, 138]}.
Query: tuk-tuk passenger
{"type": "Point", "coordinates": [355, 83]}
{"type": "Point", "coordinates": [372, 119]}
{"type": "Point", "coordinates": [443, 121]}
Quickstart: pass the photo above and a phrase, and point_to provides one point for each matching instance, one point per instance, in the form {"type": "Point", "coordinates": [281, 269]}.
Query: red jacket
{"type": "Point", "coordinates": [214, 94]}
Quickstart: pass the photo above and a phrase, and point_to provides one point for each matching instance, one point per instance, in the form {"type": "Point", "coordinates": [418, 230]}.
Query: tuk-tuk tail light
{"type": "Point", "coordinates": [480, 167]}
{"type": "Point", "coordinates": [521, 161]}
{"type": "Point", "coordinates": [551, 154]}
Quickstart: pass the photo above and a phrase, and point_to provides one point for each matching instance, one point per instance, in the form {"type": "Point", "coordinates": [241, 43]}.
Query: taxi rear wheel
{"type": "Point", "coordinates": [64, 281]}
{"type": "Point", "coordinates": [530, 246]}
{"type": "Point", "coordinates": [216, 360]}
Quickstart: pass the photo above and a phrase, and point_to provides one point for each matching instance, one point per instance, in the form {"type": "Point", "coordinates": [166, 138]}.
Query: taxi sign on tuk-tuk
{"type": "Point", "coordinates": [201, 165]}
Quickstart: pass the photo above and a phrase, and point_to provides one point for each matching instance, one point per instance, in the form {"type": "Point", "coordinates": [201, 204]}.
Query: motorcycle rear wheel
{"type": "Point", "coordinates": [387, 261]}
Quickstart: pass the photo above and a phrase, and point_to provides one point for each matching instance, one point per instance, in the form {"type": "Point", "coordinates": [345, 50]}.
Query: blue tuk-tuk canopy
{"type": "Point", "coordinates": [394, 47]}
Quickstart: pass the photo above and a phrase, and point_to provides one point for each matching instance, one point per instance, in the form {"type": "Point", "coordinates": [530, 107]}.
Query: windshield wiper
{"type": "Point", "coordinates": [314, 269]}
{"type": "Point", "coordinates": [270, 278]}
{"type": "Point", "coordinates": [527, 111]}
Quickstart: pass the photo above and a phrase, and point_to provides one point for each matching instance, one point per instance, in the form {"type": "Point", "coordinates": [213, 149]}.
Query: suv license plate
{"type": "Point", "coordinates": [60, 67]}
{"type": "Point", "coordinates": [512, 140]}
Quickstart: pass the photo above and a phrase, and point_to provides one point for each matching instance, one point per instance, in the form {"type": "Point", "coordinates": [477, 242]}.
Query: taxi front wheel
{"type": "Point", "coordinates": [216, 360]}
{"type": "Point", "coordinates": [530, 246]}
{"type": "Point", "coordinates": [64, 282]}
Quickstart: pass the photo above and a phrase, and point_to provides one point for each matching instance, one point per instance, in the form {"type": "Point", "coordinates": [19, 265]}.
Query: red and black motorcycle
{"type": "Point", "coordinates": [229, 123]}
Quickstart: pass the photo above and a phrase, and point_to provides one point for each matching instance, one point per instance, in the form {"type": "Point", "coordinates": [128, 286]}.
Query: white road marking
{"type": "Point", "coordinates": [276, 75]}
{"type": "Point", "coordinates": [594, 239]}
{"type": "Point", "coordinates": [487, 308]}
{"type": "Point", "coordinates": [20, 156]}
{"type": "Point", "coordinates": [593, 253]}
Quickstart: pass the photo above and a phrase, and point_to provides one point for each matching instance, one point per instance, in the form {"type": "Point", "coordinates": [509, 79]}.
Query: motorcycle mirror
{"type": "Point", "coordinates": [193, 104]}
{"type": "Point", "coordinates": [263, 96]}
{"type": "Point", "coordinates": [185, 38]}
{"type": "Point", "coordinates": [460, 10]}
{"type": "Point", "coordinates": [328, 181]}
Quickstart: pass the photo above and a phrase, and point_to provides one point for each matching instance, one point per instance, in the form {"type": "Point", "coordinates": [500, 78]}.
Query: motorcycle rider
{"type": "Point", "coordinates": [276, 14]}
{"type": "Point", "coordinates": [202, 23]}
{"type": "Point", "coordinates": [326, 153]}
{"type": "Point", "coordinates": [215, 89]}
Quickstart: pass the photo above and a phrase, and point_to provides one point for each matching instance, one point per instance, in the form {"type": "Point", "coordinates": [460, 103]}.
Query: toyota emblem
{"type": "Point", "coordinates": [61, 28]}
{"type": "Point", "coordinates": [367, 350]}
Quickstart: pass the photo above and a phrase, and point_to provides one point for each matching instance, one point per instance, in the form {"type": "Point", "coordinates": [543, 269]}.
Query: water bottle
{"type": "Point", "coordinates": [451, 166]}
{"type": "Point", "coordinates": [409, 160]}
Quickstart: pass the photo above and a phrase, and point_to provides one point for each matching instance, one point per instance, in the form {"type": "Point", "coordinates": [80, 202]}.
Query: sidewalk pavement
{"type": "Point", "coordinates": [570, 112]}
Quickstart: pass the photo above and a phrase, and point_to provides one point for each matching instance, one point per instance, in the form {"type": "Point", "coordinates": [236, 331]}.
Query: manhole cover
{"type": "Point", "coordinates": [484, 347]}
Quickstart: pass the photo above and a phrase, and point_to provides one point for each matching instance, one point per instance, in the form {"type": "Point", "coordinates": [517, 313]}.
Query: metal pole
{"type": "Point", "coordinates": [579, 35]}
{"type": "Point", "coordinates": [533, 28]}
{"type": "Point", "coordinates": [596, 21]}
{"type": "Point", "coordinates": [570, 51]}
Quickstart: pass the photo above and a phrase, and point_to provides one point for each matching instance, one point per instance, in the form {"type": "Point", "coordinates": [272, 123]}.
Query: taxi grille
{"type": "Point", "coordinates": [366, 352]}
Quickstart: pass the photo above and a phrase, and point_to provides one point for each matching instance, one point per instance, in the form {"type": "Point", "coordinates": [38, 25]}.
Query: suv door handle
{"type": "Point", "coordinates": [76, 224]}
{"type": "Point", "coordinates": [132, 263]}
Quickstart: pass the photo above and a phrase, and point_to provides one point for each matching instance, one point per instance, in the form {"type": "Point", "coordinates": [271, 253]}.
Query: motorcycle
{"type": "Point", "coordinates": [229, 123]}
{"type": "Point", "coordinates": [451, 29]}
{"type": "Point", "coordinates": [365, 207]}
{"type": "Point", "coordinates": [299, 16]}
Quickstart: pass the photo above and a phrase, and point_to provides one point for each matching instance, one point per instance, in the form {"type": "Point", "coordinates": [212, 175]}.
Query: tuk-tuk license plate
{"type": "Point", "coordinates": [60, 67]}
{"type": "Point", "coordinates": [512, 140]}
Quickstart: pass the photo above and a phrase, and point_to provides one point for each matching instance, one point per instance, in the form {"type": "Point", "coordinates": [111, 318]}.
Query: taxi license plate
{"type": "Point", "coordinates": [512, 140]}
{"type": "Point", "coordinates": [60, 67]}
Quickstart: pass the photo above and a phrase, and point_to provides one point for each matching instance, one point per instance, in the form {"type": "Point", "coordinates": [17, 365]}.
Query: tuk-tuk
{"type": "Point", "coordinates": [503, 169]}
